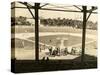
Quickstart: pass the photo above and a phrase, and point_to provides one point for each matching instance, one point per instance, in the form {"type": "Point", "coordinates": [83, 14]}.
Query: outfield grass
{"type": "Point", "coordinates": [31, 29]}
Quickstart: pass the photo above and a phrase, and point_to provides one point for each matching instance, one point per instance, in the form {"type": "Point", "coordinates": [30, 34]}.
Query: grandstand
{"type": "Point", "coordinates": [53, 41]}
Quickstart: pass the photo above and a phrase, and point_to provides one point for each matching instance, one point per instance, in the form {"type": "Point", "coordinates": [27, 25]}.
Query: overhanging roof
{"type": "Point", "coordinates": [53, 7]}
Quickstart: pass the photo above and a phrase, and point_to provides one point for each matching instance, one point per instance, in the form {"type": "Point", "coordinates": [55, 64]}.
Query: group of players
{"type": "Point", "coordinates": [57, 51]}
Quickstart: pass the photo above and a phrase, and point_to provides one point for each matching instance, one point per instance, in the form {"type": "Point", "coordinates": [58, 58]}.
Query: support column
{"type": "Point", "coordinates": [37, 31]}
{"type": "Point", "coordinates": [83, 33]}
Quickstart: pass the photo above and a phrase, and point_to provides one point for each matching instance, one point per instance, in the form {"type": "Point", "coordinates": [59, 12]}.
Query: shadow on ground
{"type": "Point", "coordinates": [24, 66]}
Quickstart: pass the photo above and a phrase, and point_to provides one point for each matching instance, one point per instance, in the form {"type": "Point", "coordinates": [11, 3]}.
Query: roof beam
{"type": "Point", "coordinates": [44, 5]}
{"type": "Point", "coordinates": [54, 9]}
{"type": "Point", "coordinates": [77, 7]}
{"type": "Point", "coordinates": [92, 8]}
{"type": "Point", "coordinates": [32, 7]}
{"type": "Point", "coordinates": [88, 16]}
{"type": "Point", "coordinates": [30, 12]}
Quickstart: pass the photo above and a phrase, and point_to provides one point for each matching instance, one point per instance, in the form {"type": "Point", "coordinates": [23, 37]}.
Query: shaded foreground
{"type": "Point", "coordinates": [22, 66]}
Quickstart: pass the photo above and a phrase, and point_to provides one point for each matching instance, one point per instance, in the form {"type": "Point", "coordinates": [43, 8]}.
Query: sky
{"type": "Point", "coordinates": [53, 14]}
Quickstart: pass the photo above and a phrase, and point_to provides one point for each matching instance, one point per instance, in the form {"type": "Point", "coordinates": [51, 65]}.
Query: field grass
{"type": "Point", "coordinates": [28, 45]}
{"type": "Point", "coordinates": [26, 50]}
{"type": "Point", "coordinates": [31, 29]}
{"type": "Point", "coordinates": [49, 40]}
{"type": "Point", "coordinates": [52, 40]}
{"type": "Point", "coordinates": [21, 43]}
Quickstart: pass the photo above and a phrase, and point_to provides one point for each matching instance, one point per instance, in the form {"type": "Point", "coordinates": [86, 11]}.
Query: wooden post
{"type": "Point", "coordinates": [83, 33]}
{"type": "Point", "coordinates": [37, 31]}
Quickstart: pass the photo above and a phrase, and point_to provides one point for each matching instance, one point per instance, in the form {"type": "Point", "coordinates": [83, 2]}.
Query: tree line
{"type": "Point", "coordinates": [20, 21]}
{"type": "Point", "coordinates": [54, 22]}
{"type": "Point", "coordinates": [67, 22]}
